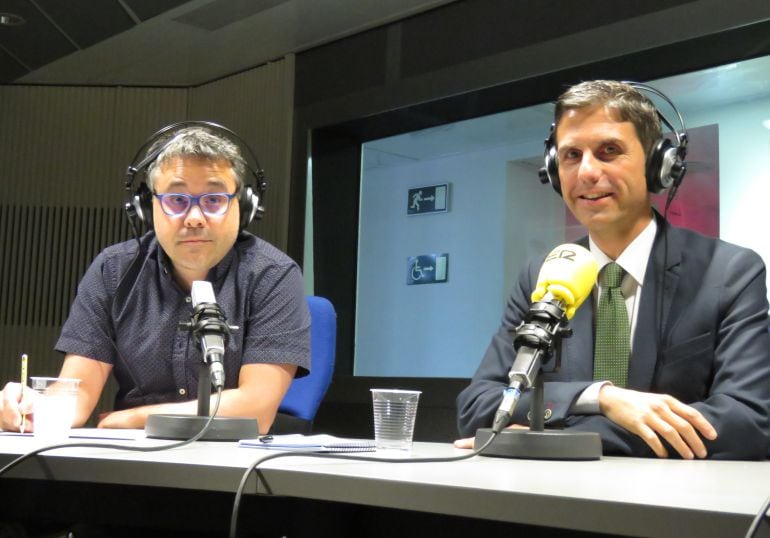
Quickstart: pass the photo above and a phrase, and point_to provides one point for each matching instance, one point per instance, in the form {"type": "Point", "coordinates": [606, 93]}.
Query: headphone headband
{"type": "Point", "coordinates": [139, 206]}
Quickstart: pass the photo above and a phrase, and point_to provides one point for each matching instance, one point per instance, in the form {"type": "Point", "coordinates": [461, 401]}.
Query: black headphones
{"type": "Point", "coordinates": [139, 206]}
{"type": "Point", "coordinates": [665, 167]}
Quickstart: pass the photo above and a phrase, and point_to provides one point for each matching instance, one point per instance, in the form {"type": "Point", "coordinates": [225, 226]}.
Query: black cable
{"type": "Point", "coordinates": [135, 233]}
{"type": "Point", "coordinates": [665, 223]}
{"type": "Point", "coordinates": [310, 454]}
{"type": "Point", "coordinates": [662, 279]}
{"type": "Point", "coordinates": [194, 438]}
{"type": "Point", "coordinates": [758, 519]}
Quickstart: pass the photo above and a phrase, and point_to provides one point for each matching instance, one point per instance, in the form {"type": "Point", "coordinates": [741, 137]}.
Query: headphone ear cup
{"type": "Point", "coordinates": [248, 204]}
{"type": "Point", "coordinates": [142, 202]}
{"type": "Point", "coordinates": [549, 173]}
{"type": "Point", "coordinates": [660, 165]}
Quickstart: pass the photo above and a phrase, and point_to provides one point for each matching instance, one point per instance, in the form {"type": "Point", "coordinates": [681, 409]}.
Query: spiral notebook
{"type": "Point", "coordinates": [309, 443]}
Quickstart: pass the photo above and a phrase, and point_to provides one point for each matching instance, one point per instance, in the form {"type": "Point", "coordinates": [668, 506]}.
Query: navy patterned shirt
{"type": "Point", "coordinates": [128, 308]}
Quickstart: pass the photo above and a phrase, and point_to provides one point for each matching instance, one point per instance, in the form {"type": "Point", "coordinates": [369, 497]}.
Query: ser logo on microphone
{"type": "Point", "coordinates": [561, 255]}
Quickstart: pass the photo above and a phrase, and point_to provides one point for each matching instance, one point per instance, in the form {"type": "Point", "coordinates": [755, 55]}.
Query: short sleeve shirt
{"type": "Point", "coordinates": [128, 310]}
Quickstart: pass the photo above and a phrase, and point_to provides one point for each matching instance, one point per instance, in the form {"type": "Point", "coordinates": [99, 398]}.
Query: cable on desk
{"type": "Point", "coordinates": [758, 519]}
{"type": "Point", "coordinates": [344, 456]}
{"type": "Point", "coordinates": [194, 438]}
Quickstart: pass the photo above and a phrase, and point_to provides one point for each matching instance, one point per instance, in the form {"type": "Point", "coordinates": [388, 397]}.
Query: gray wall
{"type": "Point", "coordinates": [402, 330]}
{"type": "Point", "coordinates": [63, 159]}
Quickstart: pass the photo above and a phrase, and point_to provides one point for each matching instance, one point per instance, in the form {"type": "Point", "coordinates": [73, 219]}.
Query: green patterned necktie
{"type": "Point", "coordinates": [612, 347]}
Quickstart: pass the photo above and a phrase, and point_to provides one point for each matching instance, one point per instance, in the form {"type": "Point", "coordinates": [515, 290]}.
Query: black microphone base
{"type": "Point", "coordinates": [183, 427]}
{"type": "Point", "coordinates": [541, 445]}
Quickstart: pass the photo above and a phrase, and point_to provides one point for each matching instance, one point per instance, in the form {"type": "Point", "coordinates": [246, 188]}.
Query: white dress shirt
{"type": "Point", "coordinates": [633, 260]}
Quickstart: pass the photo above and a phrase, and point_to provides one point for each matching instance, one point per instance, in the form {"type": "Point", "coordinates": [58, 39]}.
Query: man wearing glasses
{"type": "Point", "coordinates": [125, 318]}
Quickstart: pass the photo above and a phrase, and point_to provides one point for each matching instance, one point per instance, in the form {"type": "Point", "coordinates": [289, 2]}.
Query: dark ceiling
{"type": "Point", "coordinates": [54, 29]}
{"type": "Point", "coordinates": [172, 42]}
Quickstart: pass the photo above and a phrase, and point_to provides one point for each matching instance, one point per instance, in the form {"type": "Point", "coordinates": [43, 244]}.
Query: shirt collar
{"type": "Point", "coordinates": [634, 257]}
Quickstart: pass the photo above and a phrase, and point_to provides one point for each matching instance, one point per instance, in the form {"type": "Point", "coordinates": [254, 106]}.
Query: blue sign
{"type": "Point", "coordinates": [427, 269]}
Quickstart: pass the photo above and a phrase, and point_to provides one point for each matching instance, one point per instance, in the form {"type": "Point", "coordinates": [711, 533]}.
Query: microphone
{"type": "Point", "coordinates": [565, 280]}
{"type": "Point", "coordinates": [209, 329]}
{"type": "Point", "coordinates": [210, 332]}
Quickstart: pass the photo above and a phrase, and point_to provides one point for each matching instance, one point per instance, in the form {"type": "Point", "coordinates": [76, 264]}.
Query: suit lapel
{"type": "Point", "coordinates": [644, 357]}
{"type": "Point", "coordinates": [578, 350]}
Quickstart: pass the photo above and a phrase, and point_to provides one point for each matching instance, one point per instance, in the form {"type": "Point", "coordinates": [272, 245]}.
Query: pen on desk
{"type": "Point", "coordinates": [24, 359]}
{"type": "Point", "coordinates": [266, 439]}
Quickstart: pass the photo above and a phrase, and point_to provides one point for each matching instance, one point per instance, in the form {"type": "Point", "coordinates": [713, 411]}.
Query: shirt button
{"type": "Point", "coordinates": [182, 392]}
{"type": "Point", "coordinates": [187, 299]}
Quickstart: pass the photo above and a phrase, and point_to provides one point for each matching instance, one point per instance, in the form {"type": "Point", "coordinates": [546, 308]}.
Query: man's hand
{"type": "Point", "coordinates": [655, 416]}
{"type": "Point", "coordinates": [467, 442]}
{"type": "Point", "coordinates": [14, 402]}
{"type": "Point", "coordinates": [126, 418]}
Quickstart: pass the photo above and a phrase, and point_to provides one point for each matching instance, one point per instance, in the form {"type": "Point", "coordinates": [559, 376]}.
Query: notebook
{"type": "Point", "coordinates": [310, 443]}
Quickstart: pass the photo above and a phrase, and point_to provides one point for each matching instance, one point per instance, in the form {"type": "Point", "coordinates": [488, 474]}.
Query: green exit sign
{"type": "Point", "coordinates": [430, 199]}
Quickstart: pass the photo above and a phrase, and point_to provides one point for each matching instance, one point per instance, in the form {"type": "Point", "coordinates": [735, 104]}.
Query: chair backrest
{"type": "Point", "coordinates": [305, 393]}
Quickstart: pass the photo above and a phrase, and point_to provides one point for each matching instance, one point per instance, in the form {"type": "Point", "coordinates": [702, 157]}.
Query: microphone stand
{"type": "Point", "coordinates": [539, 335]}
{"type": "Point", "coordinates": [207, 318]}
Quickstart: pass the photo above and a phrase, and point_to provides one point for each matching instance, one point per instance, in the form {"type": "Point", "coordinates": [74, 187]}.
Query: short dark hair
{"type": "Point", "coordinates": [197, 142]}
{"type": "Point", "coordinates": [629, 103]}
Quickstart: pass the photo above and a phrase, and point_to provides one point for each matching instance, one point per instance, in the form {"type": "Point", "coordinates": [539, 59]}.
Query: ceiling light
{"type": "Point", "coordinates": [11, 19]}
{"type": "Point", "coordinates": [766, 123]}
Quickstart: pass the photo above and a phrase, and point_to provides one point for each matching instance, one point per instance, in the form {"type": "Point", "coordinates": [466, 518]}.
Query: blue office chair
{"type": "Point", "coordinates": [299, 406]}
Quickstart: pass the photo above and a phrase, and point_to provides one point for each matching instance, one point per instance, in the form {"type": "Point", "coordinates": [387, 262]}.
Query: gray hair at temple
{"type": "Point", "coordinates": [626, 101]}
{"type": "Point", "coordinates": [199, 143]}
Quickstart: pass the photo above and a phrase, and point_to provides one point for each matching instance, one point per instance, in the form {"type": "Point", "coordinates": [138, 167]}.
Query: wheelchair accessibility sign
{"type": "Point", "coordinates": [427, 269]}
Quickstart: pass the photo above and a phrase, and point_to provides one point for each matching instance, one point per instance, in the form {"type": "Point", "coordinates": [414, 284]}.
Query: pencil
{"type": "Point", "coordinates": [23, 385]}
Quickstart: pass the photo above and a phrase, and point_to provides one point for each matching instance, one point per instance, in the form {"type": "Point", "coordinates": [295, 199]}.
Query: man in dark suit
{"type": "Point", "coordinates": [698, 370]}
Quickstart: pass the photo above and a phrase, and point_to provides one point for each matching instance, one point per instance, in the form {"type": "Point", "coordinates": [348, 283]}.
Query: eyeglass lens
{"type": "Point", "coordinates": [179, 204]}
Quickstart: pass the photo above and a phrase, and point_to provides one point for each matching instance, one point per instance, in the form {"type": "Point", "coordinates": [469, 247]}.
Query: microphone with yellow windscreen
{"type": "Point", "coordinates": [568, 274]}
{"type": "Point", "coordinates": [566, 279]}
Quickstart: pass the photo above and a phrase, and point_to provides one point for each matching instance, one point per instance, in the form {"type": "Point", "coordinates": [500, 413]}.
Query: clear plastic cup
{"type": "Point", "coordinates": [395, 411]}
{"type": "Point", "coordinates": [54, 407]}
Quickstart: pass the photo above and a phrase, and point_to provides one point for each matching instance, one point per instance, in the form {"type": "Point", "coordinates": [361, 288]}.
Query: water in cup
{"type": "Point", "coordinates": [54, 409]}
{"type": "Point", "coordinates": [394, 417]}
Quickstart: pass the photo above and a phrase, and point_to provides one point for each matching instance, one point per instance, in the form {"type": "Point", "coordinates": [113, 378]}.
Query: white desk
{"type": "Point", "coordinates": [628, 496]}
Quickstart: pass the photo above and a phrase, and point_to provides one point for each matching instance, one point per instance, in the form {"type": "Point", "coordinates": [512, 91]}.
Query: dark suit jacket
{"type": "Point", "coordinates": [710, 348]}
